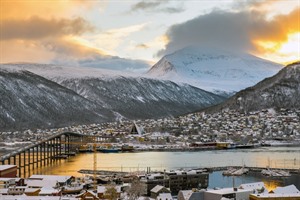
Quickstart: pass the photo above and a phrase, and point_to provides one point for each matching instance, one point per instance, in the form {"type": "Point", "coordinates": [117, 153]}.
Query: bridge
{"type": "Point", "coordinates": [47, 151]}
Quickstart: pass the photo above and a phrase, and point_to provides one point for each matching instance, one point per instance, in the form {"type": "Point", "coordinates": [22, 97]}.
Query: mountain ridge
{"type": "Point", "coordinates": [118, 96]}
{"type": "Point", "coordinates": [279, 91]}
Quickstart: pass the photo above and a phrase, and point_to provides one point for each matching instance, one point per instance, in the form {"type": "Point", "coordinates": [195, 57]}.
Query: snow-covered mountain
{"type": "Point", "coordinates": [31, 101]}
{"type": "Point", "coordinates": [214, 70]}
{"type": "Point", "coordinates": [280, 91]}
{"type": "Point", "coordinates": [123, 95]}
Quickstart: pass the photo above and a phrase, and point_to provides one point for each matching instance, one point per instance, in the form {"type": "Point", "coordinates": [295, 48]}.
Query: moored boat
{"type": "Point", "coordinates": [73, 188]}
{"type": "Point", "coordinates": [109, 150]}
{"type": "Point", "coordinates": [127, 148]}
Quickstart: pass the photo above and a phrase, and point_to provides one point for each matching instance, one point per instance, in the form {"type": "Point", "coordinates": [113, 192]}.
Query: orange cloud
{"type": "Point", "coordinates": [38, 31]}
{"type": "Point", "coordinates": [37, 28]}
{"type": "Point", "coordinates": [27, 8]}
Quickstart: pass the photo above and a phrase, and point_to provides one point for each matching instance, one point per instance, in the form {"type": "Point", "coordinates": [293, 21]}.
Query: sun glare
{"type": "Point", "coordinates": [282, 52]}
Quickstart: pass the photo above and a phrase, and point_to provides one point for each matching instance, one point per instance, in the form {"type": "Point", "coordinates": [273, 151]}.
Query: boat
{"type": "Point", "coordinates": [275, 173]}
{"type": "Point", "coordinates": [245, 146]}
{"type": "Point", "coordinates": [235, 172]}
{"type": "Point", "coordinates": [73, 188]}
{"type": "Point", "coordinates": [109, 150]}
{"type": "Point", "coordinates": [127, 148]}
{"type": "Point", "coordinates": [84, 148]}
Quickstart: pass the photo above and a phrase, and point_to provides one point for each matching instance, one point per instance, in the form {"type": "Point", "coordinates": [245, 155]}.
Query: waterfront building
{"type": "Point", "coordinates": [176, 180]}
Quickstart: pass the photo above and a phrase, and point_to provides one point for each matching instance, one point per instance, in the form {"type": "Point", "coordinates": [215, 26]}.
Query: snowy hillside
{"type": "Point", "coordinates": [140, 98]}
{"type": "Point", "coordinates": [213, 70]}
{"type": "Point", "coordinates": [125, 96]}
{"type": "Point", "coordinates": [30, 101]}
{"type": "Point", "coordinates": [279, 91]}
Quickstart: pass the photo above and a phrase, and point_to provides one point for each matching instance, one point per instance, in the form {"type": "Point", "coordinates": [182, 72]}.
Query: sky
{"type": "Point", "coordinates": [132, 35]}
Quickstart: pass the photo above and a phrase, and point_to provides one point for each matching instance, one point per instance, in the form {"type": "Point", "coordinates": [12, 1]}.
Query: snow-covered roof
{"type": "Point", "coordinates": [48, 191]}
{"type": "Point", "coordinates": [24, 197]}
{"type": "Point", "coordinates": [6, 179]}
{"type": "Point", "coordinates": [269, 195]}
{"type": "Point", "coordinates": [30, 190]}
{"type": "Point", "coordinates": [254, 186]}
{"type": "Point", "coordinates": [3, 191]}
{"type": "Point", "coordinates": [5, 167]}
{"type": "Point", "coordinates": [157, 188]}
{"type": "Point", "coordinates": [41, 183]}
{"type": "Point", "coordinates": [152, 176]}
{"type": "Point", "coordinates": [290, 189]}
{"type": "Point", "coordinates": [228, 191]}
{"type": "Point", "coordinates": [186, 193]}
{"type": "Point", "coordinates": [60, 179]}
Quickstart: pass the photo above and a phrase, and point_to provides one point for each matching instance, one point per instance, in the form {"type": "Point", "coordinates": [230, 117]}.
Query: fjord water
{"type": "Point", "coordinates": [279, 157]}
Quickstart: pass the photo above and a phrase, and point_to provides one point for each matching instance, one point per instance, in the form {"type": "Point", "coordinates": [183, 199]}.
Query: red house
{"type": "Point", "coordinates": [8, 171]}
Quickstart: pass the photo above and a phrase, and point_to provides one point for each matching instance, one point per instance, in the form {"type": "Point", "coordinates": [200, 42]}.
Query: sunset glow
{"type": "Point", "coordinates": [285, 52]}
{"type": "Point", "coordinates": [144, 31]}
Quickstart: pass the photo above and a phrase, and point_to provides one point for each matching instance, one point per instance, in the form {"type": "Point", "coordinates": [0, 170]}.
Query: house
{"type": "Point", "coordinates": [88, 195]}
{"type": "Point", "coordinates": [190, 195]}
{"type": "Point", "coordinates": [164, 196]}
{"type": "Point", "coordinates": [158, 190]}
{"type": "Point", "coordinates": [11, 182]}
{"type": "Point", "coordinates": [8, 171]}
{"type": "Point", "coordinates": [6, 182]}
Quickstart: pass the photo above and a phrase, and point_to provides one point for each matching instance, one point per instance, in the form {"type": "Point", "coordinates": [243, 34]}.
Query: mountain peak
{"type": "Point", "coordinates": [213, 69]}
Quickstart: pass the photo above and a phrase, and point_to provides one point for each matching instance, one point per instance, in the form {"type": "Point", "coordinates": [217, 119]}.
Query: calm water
{"type": "Point", "coordinates": [284, 157]}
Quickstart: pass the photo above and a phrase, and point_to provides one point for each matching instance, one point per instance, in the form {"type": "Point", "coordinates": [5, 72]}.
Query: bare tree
{"type": "Point", "coordinates": [136, 190]}
{"type": "Point", "coordinates": [111, 193]}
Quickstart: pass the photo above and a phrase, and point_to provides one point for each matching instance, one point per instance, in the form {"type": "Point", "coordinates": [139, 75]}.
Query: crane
{"type": "Point", "coordinates": [94, 145]}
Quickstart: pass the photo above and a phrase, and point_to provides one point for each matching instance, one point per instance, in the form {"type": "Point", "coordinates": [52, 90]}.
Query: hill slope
{"type": "Point", "coordinates": [30, 101]}
{"type": "Point", "coordinates": [279, 91]}
{"type": "Point", "coordinates": [140, 98]}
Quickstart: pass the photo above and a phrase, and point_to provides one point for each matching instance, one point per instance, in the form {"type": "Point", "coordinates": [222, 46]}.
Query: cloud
{"type": "Point", "coordinates": [22, 9]}
{"type": "Point", "coordinates": [157, 6]}
{"type": "Point", "coordinates": [237, 31]}
{"type": "Point", "coordinates": [37, 28]}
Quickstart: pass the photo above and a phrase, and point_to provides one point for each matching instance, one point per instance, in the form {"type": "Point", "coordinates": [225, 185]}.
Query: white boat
{"type": "Point", "coordinates": [235, 172]}
{"type": "Point", "coordinates": [275, 173]}
{"type": "Point", "coordinates": [73, 188]}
